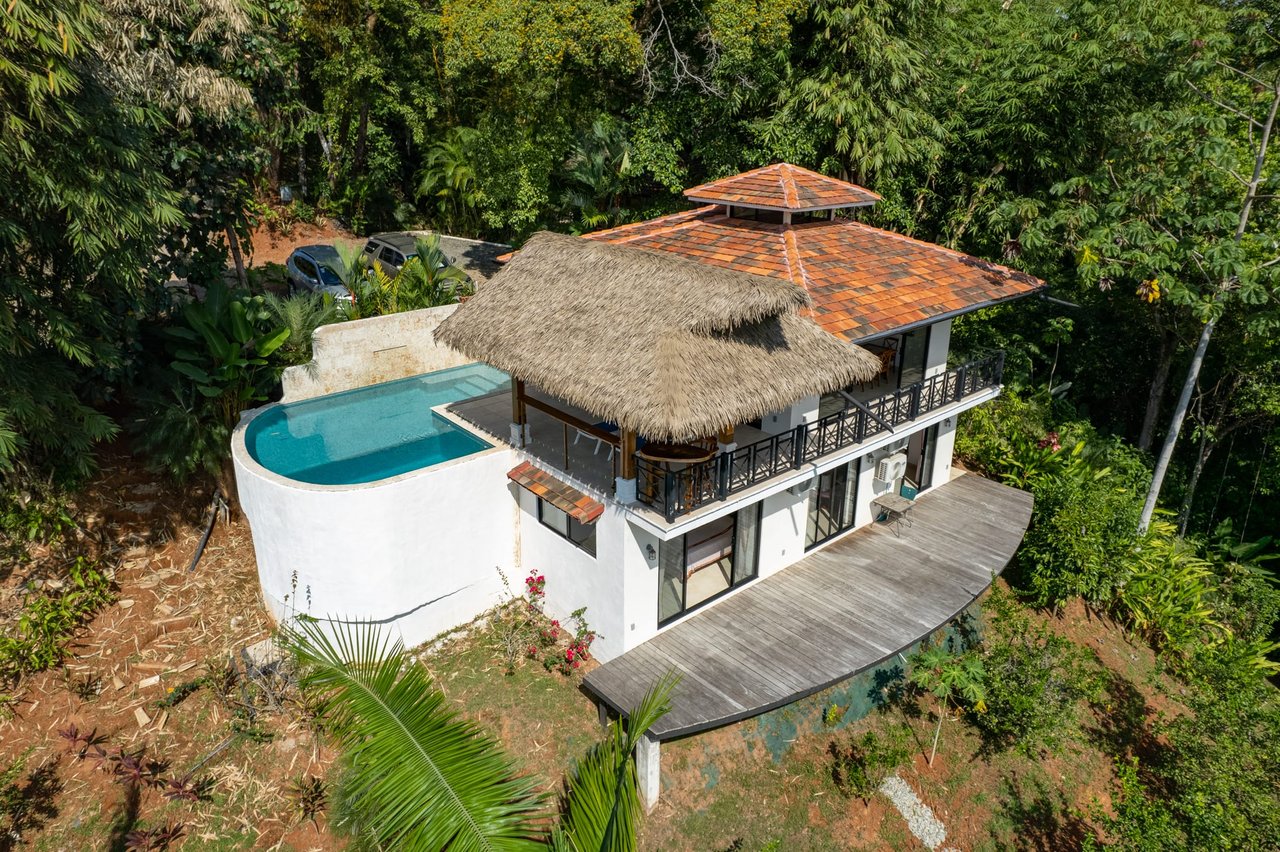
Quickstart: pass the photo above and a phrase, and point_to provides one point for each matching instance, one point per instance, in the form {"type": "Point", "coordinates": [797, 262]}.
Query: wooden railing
{"type": "Point", "coordinates": [677, 492]}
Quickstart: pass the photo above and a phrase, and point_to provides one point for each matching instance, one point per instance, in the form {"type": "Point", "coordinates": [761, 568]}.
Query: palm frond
{"type": "Point", "coordinates": [421, 777]}
{"type": "Point", "coordinates": [601, 808]}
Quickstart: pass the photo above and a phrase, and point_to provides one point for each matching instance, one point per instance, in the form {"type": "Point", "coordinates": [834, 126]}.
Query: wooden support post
{"type": "Point", "coordinates": [628, 452]}
{"type": "Point", "coordinates": [624, 487]}
{"type": "Point", "coordinates": [726, 436]}
{"type": "Point", "coordinates": [519, 414]}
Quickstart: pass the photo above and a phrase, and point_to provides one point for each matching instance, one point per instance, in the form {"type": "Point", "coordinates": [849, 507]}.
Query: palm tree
{"type": "Point", "coordinates": [449, 179]}
{"type": "Point", "coordinates": [429, 279]}
{"type": "Point", "coordinates": [601, 806]}
{"type": "Point", "coordinates": [419, 777]}
{"type": "Point", "coordinates": [595, 174]}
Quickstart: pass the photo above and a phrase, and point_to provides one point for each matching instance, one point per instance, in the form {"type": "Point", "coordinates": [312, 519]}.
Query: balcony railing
{"type": "Point", "coordinates": [676, 492]}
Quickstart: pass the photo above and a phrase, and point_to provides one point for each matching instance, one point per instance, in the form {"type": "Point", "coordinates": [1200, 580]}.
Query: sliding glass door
{"type": "Point", "coordinates": [913, 356]}
{"type": "Point", "coordinates": [832, 504]}
{"type": "Point", "coordinates": [920, 455]}
{"type": "Point", "coordinates": [707, 562]}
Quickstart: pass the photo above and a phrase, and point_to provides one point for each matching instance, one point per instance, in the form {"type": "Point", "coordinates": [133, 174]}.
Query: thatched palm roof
{"type": "Point", "coordinates": [669, 347]}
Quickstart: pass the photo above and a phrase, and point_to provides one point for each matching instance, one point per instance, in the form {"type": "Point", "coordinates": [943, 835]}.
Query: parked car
{"type": "Point", "coordinates": [312, 269]}
{"type": "Point", "coordinates": [393, 250]}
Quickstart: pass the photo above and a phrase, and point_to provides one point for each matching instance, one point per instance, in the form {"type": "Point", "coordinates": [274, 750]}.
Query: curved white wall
{"type": "Point", "coordinates": [419, 552]}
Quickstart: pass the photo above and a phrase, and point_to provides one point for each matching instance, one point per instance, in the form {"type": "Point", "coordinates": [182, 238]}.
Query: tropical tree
{"type": "Point", "coordinates": [954, 678]}
{"type": "Point", "coordinates": [859, 85]}
{"type": "Point", "coordinates": [1181, 208]}
{"type": "Point", "coordinates": [418, 777]}
{"type": "Point", "coordinates": [224, 360]}
{"type": "Point", "coordinates": [601, 807]}
{"type": "Point", "coordinates": [448, 181]}
{"type": "Point", "coordinates": [430, 278]}
{"type": "Point", "coordinates": [83, 202]}
{"type": "Point", "coordinates": [595, 174]}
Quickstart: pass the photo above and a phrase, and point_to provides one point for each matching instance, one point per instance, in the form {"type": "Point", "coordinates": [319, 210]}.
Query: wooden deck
{"type": "Point", "coordinates": [837, 612]}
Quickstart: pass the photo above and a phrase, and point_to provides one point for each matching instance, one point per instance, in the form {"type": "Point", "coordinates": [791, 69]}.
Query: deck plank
{"type": "Point", "coordinates": [833, 614]}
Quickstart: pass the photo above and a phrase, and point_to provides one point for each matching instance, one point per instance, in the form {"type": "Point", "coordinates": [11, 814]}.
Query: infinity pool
{"type": "Point", "coordinates": [370, 433]}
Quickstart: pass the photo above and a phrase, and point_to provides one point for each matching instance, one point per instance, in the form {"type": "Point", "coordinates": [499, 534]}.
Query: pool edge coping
{"type": "Point", "coordinates": [241, 457]}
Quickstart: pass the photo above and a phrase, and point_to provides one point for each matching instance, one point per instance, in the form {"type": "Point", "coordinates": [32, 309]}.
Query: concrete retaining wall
{"type": "Point", "coordinates": [364, 352]}
{"type": "Point", "coordinates": [419, 553]}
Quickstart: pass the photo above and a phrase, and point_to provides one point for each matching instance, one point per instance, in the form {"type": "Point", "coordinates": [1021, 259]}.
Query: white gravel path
{"type": "Point", "coordinates": [920, 819]}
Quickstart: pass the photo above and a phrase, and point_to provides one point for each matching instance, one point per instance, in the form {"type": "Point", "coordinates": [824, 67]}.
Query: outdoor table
{"type": "Point", "coordinates": [898, 509]}
{"type": "Point", "coordinates": [658, 451]}
{"type": "Point", "coordinates": [666, 454]}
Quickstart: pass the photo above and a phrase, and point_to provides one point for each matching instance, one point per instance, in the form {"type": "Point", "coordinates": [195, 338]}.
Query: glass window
{"type": "Point", "coordinates": [914, 356]}
{"type": "Point", "coordinates": [702, 565]}
{"type": "Point", "coordinates": [583, 535]}
{"type": "Point", "coordinates": [305, 266]}
{"type": "Point", "coordinates": [329, 278]}
{"type": "Point", "coordinates": [371, 247]}
{"type": "Point", "coordinates": [390, 256]}
{"type": "Point", "coordinates": [832, 504]}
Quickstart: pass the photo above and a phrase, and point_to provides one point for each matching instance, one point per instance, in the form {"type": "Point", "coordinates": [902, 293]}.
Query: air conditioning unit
{"type": "Point", "coordinates": [800, 488]}
{"type": "Point", "coordinates": [891, 467]}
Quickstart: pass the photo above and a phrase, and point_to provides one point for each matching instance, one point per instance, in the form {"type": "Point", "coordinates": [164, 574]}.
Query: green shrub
{"type": "Point", "coordinates": [301, 211]}
{"type": "Point", "coordinates": [1035, 680]}
{"type": "Point", "coordinates": [1217, 784]}
{"type": "Point", "coordinates": [985, 435]}
{"type": "Point", "coordinates": [1164, 591]}
{"type": "Point", "coordinates": [861, 763]}
{"type": "Point", "coordinates": [1139, 820]}
{"type": "Point", "coordinates": [226, 357]}
{"type": "Point", "coordinates": [1081, 533]}
{"type": "Point", "coordinates": [37, 641]}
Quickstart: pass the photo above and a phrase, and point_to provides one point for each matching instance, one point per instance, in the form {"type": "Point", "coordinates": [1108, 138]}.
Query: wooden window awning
{"type": "Point", "coordinates": [563, 496]}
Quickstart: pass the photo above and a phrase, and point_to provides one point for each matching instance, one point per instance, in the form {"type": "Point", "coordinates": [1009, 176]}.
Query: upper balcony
{"type": "Point", "coordinates": [568, 439]}
{"type": "Point", "coordinates": [677, 489]}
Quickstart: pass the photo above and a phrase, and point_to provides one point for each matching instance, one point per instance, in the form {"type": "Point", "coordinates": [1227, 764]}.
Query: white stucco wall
{"type": "Point", "coordinates": [782, 530]}
{"type": "Point", "coordinates": [804, 411]}
{"type": "Point", "coordinates": [419, 552]}
{"type": "Point", "coordinates": [348, 355]}
{"type": "Point", "coordinates": [618, 586]}
{"type": "Point", "coordinates": [943, 452]}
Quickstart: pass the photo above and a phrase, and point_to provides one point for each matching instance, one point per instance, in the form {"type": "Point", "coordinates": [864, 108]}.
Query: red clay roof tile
{"type": "Point", "coordinates": [864, 282]}
{"type": "Point", "coordinates": [560, 494]}
{"type": "Point", "coordinates": [783, 186]}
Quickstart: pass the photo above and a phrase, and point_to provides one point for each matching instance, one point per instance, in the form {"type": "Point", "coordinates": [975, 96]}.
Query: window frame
{"type": "Point", "coordinates": [587, 531]}
{"type": "Point", "coordinates": [742, 575]}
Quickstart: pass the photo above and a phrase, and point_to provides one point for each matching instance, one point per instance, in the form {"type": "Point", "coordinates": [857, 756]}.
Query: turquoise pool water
{"type": "Point", "coordinates": [370, 433]}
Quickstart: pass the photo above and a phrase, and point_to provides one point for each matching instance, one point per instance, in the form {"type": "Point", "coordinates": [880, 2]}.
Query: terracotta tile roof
{"type": "Point", "coordinates": [783, 186]}
{"type": "Point", "coordinates": [563, 496]}
{"type": "Point", "coordinates": [864, 282]}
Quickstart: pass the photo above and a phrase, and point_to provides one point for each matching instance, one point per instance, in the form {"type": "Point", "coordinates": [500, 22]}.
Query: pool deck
{"type": "Point", "coordinates": [838, 612]}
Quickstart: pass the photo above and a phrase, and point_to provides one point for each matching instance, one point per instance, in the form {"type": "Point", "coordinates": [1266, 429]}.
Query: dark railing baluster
{"type": "Point", "coordinates": [727, 474]}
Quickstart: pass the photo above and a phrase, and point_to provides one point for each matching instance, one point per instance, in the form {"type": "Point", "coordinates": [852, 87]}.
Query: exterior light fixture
{"type": "Point", "coordinates": [650, 552]}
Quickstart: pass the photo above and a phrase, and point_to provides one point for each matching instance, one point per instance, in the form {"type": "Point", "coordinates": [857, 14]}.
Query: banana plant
{"type": "Point", "coordinates": [223, 345]}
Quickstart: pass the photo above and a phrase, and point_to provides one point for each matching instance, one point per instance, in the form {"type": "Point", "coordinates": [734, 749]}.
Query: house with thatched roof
{"type": "Point", "coordinates": [721, 433]}
{"type": "Point", "coordinates": [713, 394]}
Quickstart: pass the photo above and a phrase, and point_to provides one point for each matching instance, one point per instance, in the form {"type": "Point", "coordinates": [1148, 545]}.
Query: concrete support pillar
{"type": "Point", "coordinates": [648, 771]}
{"type": "Point", "coordinates": [624, 490]}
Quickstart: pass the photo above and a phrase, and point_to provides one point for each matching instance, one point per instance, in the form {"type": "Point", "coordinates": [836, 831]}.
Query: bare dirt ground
{"type": "Point", "coordinates": [167, 627]}
{"type": "Point", "coordinates": [271, 245]}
